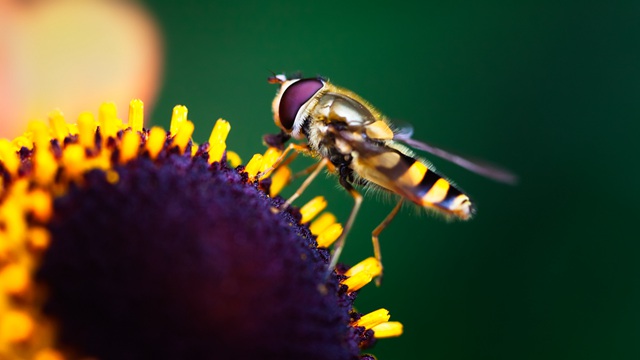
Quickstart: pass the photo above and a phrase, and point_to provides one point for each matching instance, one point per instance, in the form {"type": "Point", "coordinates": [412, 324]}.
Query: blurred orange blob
{"type": "Point", "coordinates": [74, 54]}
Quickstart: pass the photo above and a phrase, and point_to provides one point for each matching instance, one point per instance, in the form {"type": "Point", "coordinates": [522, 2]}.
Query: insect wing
{"type": "Point", "coordinates": [477, 166]}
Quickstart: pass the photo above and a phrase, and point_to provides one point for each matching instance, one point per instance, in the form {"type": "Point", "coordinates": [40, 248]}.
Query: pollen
{"type": "Point", "coordinates": [184, 135]}
{"type": "Point", "coordinates": [112, 176]}
{"type": "Point", "coordinates": [387, 329]}
{"type": "Point", "coordinates": [329, 235]}
{"type": "Point", "coordinates": [39, 238]}
{"type": "Point", "coordinates": [40, 204]}
{"type": "Point", "coordinates": [14, 279]}
{"type": "Point", "coordinates": [311, 209]}
{"type": "Point", "coordinates": [155, 141]}
{"type": "Point", "coordinates": [253, 166]}
{"type": "Point", "coordinates": [321, 223]}
{"type": "Point", "coordinates": [9, 157]}
{"type": "Point", "coordinates": [369, 265]}
{"type": "Point", "coordinates": [373, 318]}
{"type": "Point", "coordinates": [136, 115]}
{"type": "Point", "coordinates": [269, 159]}
{"type": "Point", "coordinates": [279, 179]}
{"type": "Point", "coordinates": [22, 141]}
{"type": "Point", "coordinates": [16, 326]}
{"type": "Point", "coordinates": [358, 281]}
{"type": "Point", "coordinates": [73, 160]}
{"type": "Point", "coordinates": [108, 119]}
{"type": "Point", "coordinates": [178, 117]}
{"type": "Point", "coordinates": [217, 140]}
{"type": "Point", "coordinates": [129, 146]}
{"type": "Point", "coordinates": [48, 354]}
{"type": "Point", "coordinates": [58, 126]}
{"type": "Point", "coordinates": [234, 159]}
{"type": "Point", "coordinates": [87, 130]}
{"type": "Point", "coordinates": [45, 165]}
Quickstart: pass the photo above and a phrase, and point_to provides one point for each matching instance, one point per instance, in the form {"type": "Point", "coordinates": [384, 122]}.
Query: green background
{"type": "Point", "coordinates": [548, 269]}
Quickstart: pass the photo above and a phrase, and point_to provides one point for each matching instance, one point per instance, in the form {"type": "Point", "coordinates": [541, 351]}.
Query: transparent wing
{"type": "Point", "coordinates": [402, 130]}
{"type": "Point", "coordinates": [477, 166]}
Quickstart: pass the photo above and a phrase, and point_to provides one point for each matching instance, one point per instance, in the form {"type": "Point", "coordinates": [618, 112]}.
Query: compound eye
{"type": "Point", "coordinates": [294, 97]}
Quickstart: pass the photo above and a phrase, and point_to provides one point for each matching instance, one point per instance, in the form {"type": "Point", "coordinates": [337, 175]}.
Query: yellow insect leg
{"type": "Point", "coordinates": [339, 244]}
{"type": "Point", "coordinates": [305, 184]}
{"type": "Point", "coordinates": [376, 232]}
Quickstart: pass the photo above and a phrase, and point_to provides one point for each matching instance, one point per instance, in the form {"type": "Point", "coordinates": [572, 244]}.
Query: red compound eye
{"type": "Point", "coordinates": [294, 97]}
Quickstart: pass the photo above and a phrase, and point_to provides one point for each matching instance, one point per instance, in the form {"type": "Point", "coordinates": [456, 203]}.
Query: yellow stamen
{"type": "Point", "coordinates": [112, 176]}
{"type": "Point", "coordinates": [268, 160]}
{"type": "Point", "coordinates": [108, 118]}
{"type": "Point", "coordinates": [217, 144]}
{"type": "Point", "coordinates": [373, 318]}
{"type": "Point", "coordinates": [280, 178]}
{"type": "Point", "coordinates": [357, 281]}
{"type": "Point", "coordinates": [39, 238]}
{"type": "Point", "coordinates": [40, 134]}
{"type": "Point", "coordinates": [178, 117]}
{"type": "Point", "coordinates": [45, 166]}
{"type": "Point", "coordinates": [73, 129]}
{"type": "Point", "coordinates": [73, 160]}
{"type": "Point", "coordinates": [312, 208]}
{"type": "Point", "coordinates": [48, 354]}
{"type": "Point", "coordinates": [155, 142]}
{"type": "Point", "coordinates": [15, 224]}
{"type": "Point", "coordinates": [321, 223]}
{"type": "Point", "coordinates": [387, 329]}
{"type": "Point", "coordinates": [184, 135]}
{"type": "Point", "coordinates": [136, 115]}
{"type": "Point", "coordinates": [329, 235]}
{"type": "Point", "coordinates": [194, 148]}
{"type": "Point", "coordinates": [58, 125]}
{"type": "Point", "coordinates": [253, 166]}
{"type": "Point", "coordinates": [87, 130]}
{"type": "Point", "coordinates": [9, 156]}
{"type": "Point", "coordinates": [216, 151]}
{"type": "Point", "coordinates": [129, 146]}
{"type": "Point", "coordinates": [40, 204]}
{"type": "Point", "coordinates": [233, 158]}
{"type": "Point", "coordinates": [370, 265]}
{"type": "Point", "coordinates": [14, 279]}
{"type": "Point", "coordinates": [220, 131]}
{"type": "Point", "coordinates": [16, 326]}
{"type": "Point", "coordinates": [22, 141]}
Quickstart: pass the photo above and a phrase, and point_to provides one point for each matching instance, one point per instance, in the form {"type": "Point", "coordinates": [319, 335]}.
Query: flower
{"type": "Point", "coordinates": [118, 242]}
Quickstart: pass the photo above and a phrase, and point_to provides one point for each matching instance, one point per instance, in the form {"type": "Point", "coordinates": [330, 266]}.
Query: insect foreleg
{"type": "Point", "coordinates": [376, 232]}
{"type": "Point", "coordinates": [306, 171]}
{"type": "Point", "coordinates": [306, 183]}
{"type": "Point", "coordinates": [339, 244]}
{"type": "Point", "coordinates": [282, 160]}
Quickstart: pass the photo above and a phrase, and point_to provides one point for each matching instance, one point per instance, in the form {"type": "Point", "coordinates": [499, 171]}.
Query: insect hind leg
{"type": "Point", "coordinates": [339, 244]}
{"type": "Point", "coordinates": [376, 233]}
{"type": "Point", "coordinates": [305, 184]}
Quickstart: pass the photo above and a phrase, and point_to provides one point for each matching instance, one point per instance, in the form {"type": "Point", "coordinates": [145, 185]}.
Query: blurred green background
{"type": "Point", "coordinates": [548, 269]}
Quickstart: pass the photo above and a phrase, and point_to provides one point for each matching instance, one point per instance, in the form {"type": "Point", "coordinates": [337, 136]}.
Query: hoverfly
{"type": "Point", "coordinates": [355, 140]}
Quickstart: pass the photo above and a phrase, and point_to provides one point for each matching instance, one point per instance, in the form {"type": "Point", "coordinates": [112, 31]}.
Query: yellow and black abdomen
{"type": "Point", "coordinates": [404, 175]}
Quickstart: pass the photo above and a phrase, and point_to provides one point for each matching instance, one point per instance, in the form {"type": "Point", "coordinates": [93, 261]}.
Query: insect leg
{"type": "Point", "coordinates": [376, 232]}
{"type": "Point", "coordinates": [306, 171]}
{"type": "Point", "coordinates": [281, 159]}
{"type": "Point", "coordinates": [306, 183]}
{"type": "Point", "coordinates": [339, 244]}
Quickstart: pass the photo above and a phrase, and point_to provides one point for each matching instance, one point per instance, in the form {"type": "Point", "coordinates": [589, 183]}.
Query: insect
{"type": "Point", "coordinates": [355, 140]}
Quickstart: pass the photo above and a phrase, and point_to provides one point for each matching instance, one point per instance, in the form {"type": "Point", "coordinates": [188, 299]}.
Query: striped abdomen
{"type": "Point", "coordinates": [408, 177]}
